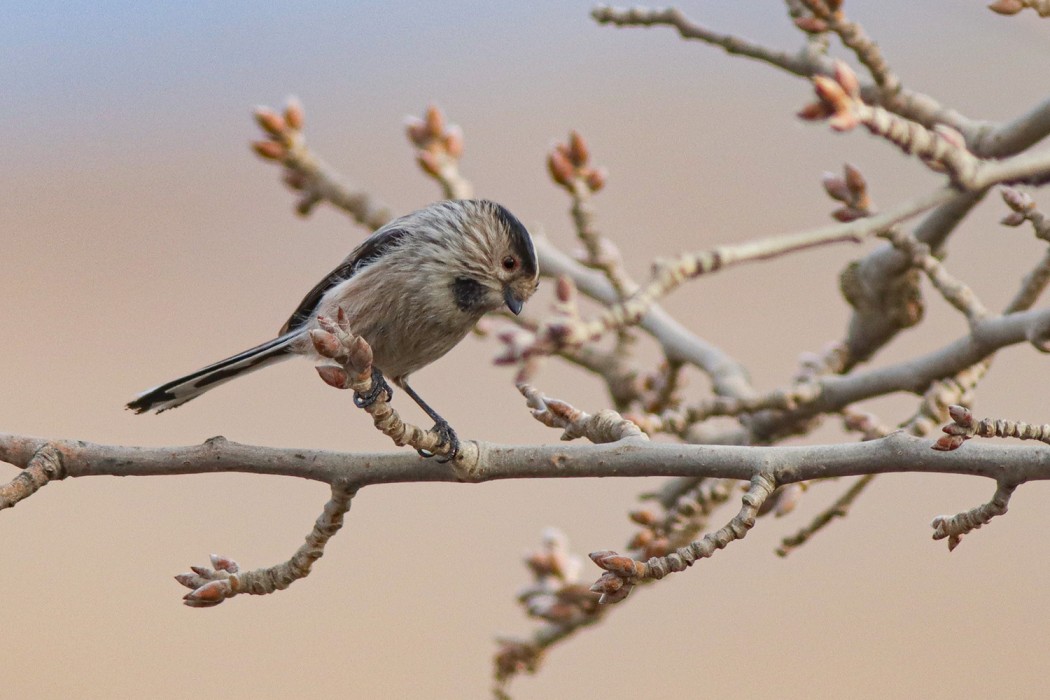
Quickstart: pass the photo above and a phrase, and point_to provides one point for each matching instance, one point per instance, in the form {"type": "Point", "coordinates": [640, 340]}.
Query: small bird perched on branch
{"type": "Point", "coordinates": [412, 290]}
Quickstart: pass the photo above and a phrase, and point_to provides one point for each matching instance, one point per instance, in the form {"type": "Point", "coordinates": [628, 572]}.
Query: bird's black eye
{"type": "Point", "coordinates": [510, 263]}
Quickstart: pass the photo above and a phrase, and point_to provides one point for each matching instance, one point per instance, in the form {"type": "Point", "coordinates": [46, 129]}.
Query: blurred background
{"type": "Point", "coordinates": [142, 239]}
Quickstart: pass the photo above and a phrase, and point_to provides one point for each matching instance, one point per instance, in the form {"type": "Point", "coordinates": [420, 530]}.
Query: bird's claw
{"type": "Point", "coordinates": [379, 385]}
{"type": "Point", "coordinates": [448, 437]}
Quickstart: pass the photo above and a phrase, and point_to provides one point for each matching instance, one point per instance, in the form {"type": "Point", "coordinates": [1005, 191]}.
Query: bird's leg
{"type": "Point", "coordinates": [379, 385]}
{"type": "Point", "coordinates": [441, 426]}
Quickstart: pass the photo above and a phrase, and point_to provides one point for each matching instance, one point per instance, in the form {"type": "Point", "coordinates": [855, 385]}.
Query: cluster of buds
{"type": "Point", "coordinates": [439, 145]}
{"type": "Point", "coordinates": [942, 149]}
{"type": "Point", "coordinates": [569, 166]}
{"type": "Point", "coordinates": [836, 97]}
{"type": "Point", "coordinates": [851, 190]}
{"type": "Point", "coordinates": [555, 596]}
{"type": "Point", "coordinates": [352, 354]}
{"type": "Point", "coordinates": [555, 413]}
{"type": "Point", "coordinates": [964, 426]}
{"type": "Point", "coordinates": [621, 575]}
{"type": "Point", "coordinates": [958, 431]}
{"type": "Point", "coordinates": [284, 144]}
{"type": "Point", "coordinates": [209, 587]}
{"type": "Point", "coordinates": [1023, 209]}
{"type": "Point", "coordinates": [282, 130]}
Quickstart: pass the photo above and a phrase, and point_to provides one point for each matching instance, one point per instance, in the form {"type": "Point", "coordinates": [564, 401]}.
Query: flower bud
{"type": "Point", "coordinates": [325, 343]}
{"type": "Point", "coordinates": [560, 168]}
{"type": "Point", "coordinates": [293, 114]}
{"type": "Point", "coordinates": [334, 376]}
{"type": "Point", "coordinates": [578, 152]}
{"type": "Point", "coordinates": [269, 150]}
{"type": "Point", "coordinates": [435, 120]}
{"type": "Point", "coordinates": [269, 121]}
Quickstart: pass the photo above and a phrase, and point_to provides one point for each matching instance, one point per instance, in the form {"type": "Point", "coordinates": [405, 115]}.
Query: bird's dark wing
{"type": "Point", "coordinates": [375, 246]}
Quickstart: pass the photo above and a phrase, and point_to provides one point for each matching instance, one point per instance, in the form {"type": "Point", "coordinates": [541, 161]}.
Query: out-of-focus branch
{"type": "Point", "coordinates": [838, 509]}
{"type": "Point", "coordinates": [519, 346]}
{"type": "Point", "coordinates": [801, 65]}
{"type": "Point", "coordinates": [306, 173]}
{"type": "Point", "coordinates": [883, 289]}
{"type": "Point", "coordinates": [985, 140]}
{"type": "Point", "coordinates": [558, 598]}
{"type": "Point", "coordinates": [570, 167]}
{"type": "Point", "coordinates": [1024, 209]}
{"type": "Point", "coordinates": [670, 274]}
{"type": "Point", "coordinates": [916, 375]}
{"type": "Point", "coordinates": [678, 422]}
{"type": "Point", "coordinates": [728, 377]}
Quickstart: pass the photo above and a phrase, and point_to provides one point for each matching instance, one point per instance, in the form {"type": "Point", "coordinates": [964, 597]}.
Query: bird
{"type": "Point", "coordinates": [413, 289]}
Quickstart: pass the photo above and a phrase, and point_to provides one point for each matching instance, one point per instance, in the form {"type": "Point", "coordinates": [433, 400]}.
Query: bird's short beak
{"type": "Point", "coordinates": [513, 302]}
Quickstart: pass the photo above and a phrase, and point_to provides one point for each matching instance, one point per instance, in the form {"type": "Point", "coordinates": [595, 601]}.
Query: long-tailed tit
{"type": "Point", "coordinates": [413, 290]}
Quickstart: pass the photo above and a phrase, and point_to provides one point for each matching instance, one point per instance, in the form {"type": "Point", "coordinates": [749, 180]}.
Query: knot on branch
{"type": "Point", "coordinates": [898, 299]}
{"type": "Point", "coordinates": [44, 467]}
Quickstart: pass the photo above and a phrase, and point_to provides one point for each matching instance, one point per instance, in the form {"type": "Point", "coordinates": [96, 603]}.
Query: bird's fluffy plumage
{"type": "Point", "coordinates": [413, 290]}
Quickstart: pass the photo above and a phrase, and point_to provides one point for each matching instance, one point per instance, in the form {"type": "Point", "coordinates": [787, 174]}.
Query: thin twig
{"type": "Point", "coordinates": [955, 526]}
{"type": "Point", "coordinates": [209, 587]}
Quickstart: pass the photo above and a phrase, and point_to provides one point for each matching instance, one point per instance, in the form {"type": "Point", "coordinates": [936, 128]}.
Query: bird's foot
{"type": "Point", "coordinates": [379, 385]}
{"type": "Point", "coordinates": [448, 437]}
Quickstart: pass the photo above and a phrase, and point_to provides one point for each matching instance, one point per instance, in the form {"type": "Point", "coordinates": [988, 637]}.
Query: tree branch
{"type": "Point", "coordinates": [492, 462]}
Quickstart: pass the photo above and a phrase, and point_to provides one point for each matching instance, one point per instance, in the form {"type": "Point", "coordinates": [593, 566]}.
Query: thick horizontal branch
{"type": "Point", "coordinates": [482, 461]}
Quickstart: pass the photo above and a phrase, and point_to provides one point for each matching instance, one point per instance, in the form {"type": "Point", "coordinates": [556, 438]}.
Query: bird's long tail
{"type": "Point", "coordinates": [179, 391]}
